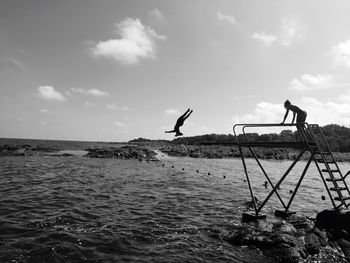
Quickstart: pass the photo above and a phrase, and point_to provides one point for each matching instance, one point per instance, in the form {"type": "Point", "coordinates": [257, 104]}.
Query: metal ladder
{"type": "Point", "coordinates": [327, 167]}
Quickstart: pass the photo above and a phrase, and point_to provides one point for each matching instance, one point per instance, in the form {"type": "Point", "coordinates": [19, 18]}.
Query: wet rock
{"type": "Point", "coordinates": [124, 152]}
{"type": "Point", "coordinates": [312, 244]}
{"type": "Point", "coordinates": [345, 247]}
{"type": "Point", "coordinates": [330, 219]}
{"type": "Point", "coordinates": [293, 239]}
{"type": "Point", "coordinates": [322, 236]}
{"type": "Point", "coordinates": [282, 246]}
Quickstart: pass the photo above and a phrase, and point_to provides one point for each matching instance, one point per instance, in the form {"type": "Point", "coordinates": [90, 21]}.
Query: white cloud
{"type": "Point", "coordinates": [156, 14]}
{"type": "Point", "coordinates": [125, 108]}
{"type": "Point", "coordinates": [314, 82]}
{"type": "Point", "coordinates": [49, 93]}
{"type": "Point", "coordinates": [341, 53]}
{"type": "Point", "coordinates": [291, 31]}
{"type": "Point", "coordinates": [12, 65]}
{"type": "Point", "coordinates": [78, 90]}
{"type": "Point", "coordinates": [111, 106]}
{"type": "Point", "coordinates": [335, 111]}
{"type": "Point", "coordinates": [344, 98]}
{"type": "Point", "coordinates": [226, 18]}
{"type": "Point", "coordinates": [266, 39]}
{"type": "Point", "coordinates": [264, 112]}
{"type": "Point", "coordinates": [120, 124]}
{"type": "Point", "coordinates": [87, 104]}
{"type": "Point", "coordinates": [93, 92]}
{"type": "Point", "coordinates": [97, 92]}
{"type": "Point", "coordinates": [329, 112]}
{"type": "Point", "coordinates": [311, 82]}
{"type": "Point", "coordinates": [172, 112]}
{"type": "Point", "coordinates": [45, 111]}
{"type": "Point", "coordinates": [136, 42]}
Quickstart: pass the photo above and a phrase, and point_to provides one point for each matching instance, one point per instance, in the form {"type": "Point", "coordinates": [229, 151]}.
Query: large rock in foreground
{"type": "Point", "coordinates": [293, 240]}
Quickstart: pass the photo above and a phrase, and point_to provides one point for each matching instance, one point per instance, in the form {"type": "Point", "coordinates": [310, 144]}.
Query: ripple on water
{"type": "Point", "coordinates": [75, 209]}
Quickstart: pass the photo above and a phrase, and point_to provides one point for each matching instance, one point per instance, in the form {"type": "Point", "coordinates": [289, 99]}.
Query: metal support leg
{"type": "Point", "coordinates": [281, 180]}
{"type": "Point", "coordinates": [249, 185]}
{"type": "Point", "coordinates": [267, 177]}
{"type": "Point", "coordinates": [298, 184]}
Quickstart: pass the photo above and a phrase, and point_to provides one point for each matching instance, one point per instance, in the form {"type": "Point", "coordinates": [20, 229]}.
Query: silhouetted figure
{"type": "Point", "coordinates": [301, 115]}
{"type": "Point", "coordinates": [180, 121]}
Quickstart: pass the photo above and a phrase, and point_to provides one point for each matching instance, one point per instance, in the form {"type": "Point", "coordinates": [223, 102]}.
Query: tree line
{"type": "Point", "coordinates": [337, 136]}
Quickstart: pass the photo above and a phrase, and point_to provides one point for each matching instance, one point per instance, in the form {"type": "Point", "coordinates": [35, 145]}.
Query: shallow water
{"type": "Point", "coordinates": [76, 209]}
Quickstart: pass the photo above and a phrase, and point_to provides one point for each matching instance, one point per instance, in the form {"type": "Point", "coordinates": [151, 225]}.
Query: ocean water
{"type": "Point", "coordinates": [76, 209]}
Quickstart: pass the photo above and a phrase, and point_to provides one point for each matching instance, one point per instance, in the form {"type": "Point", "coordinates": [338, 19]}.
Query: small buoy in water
{"type": "Point", "coordinates": [163, 164]}
{"type": "Point", "coordinates": [224, 176]}
{"type": "Point", "coordinates": [244, 181]}
{"type": "Point", "coordinates": [208, 173]}
{"type": "Point", "coordinates": [197, 171]}
{"type": "Point", "coordinates": [265, 184]}
{"type": "Point", "coordinates": [323, 197]}
{"type": "Point", "coordinates": [183, 169]}
{"type": "Point", "coordinates": [172, 166]}
{"type": "Point", "coordinates": [290, 191]}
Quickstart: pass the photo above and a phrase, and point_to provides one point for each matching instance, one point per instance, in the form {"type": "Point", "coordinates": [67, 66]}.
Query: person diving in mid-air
{"type": "Point", "coordinates": [180, 121]}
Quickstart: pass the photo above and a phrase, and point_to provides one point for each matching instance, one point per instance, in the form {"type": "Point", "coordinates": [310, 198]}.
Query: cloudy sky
{"type": "Point", "coordinates": [113, 70]}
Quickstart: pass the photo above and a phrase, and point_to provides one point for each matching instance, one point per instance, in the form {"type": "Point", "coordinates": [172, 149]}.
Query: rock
{"type": "Point", "coordinates": [312, 243]}
{"type": "Point", "coordinates": [330, 219]}
{"type": "Point", "coordinates": [283, 246]}
{"type": "Point", "coordinates": [124, 152]}
{"type": "Point", "coordinates": [345, 247]}
{"type": "Point", "coordinates": [291, 240]}
{"type": "Point", "coordinates": [322, 236]}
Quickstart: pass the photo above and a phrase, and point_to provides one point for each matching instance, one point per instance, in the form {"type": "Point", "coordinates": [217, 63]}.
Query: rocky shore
{"type": "Point", "coordinates": [25, 150]}
{"type": "Point", "coordinates": [218, 152]}
{"type": "Point", "coordinates": [297, 238]}
{"type": "Point", "coordinates": [124, 152]}
{"type": "Point", "coordinates": [115, 152]}
{"type": "Point", "coordinates": [145, 151]}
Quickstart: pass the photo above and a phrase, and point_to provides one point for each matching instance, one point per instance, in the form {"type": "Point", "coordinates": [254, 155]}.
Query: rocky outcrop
{"type": "Point", "coordinates": [124, 152]}
{"type": "Point", "coordinates": [296, 238]}
{"type": "Point", "coordinates": [201, 151]}
{"type": "Point", "coordinates": [24, 150]}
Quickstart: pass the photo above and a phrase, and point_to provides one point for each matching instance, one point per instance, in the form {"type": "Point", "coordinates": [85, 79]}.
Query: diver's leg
{"type": "Point", "coordinates": [183, 115]}
{"type": "Point", "coordinates": [188, 115]}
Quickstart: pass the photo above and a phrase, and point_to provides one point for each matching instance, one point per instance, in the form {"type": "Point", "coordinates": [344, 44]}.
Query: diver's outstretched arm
{"type": "Point", "coordinates": [170, 131]}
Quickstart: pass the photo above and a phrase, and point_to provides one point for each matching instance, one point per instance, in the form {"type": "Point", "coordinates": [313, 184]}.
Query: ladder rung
{"type": "Point", "coordinates": [331, 170]}
{"type": "Point", "coordinates": [324, 161]}
{"type": "Point", "coordinates": [343, 198]}
{"type": "Point", "coordinates": [339, 188]}
{"type": "Point", "coordinates": [334, 180]}
{"type": "Point", "coordinates": [324, 153]}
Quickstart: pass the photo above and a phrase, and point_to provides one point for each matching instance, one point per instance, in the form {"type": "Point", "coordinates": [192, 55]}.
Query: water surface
{"type": "Point", "coordinates": [76, 209]}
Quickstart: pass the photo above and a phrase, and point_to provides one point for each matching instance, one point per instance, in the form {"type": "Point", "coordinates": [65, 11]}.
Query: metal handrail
{"type": "Point", "coordinates": [250, 125]}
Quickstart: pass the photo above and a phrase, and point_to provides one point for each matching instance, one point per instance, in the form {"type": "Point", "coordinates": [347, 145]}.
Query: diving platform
{"type": "Point", "coordinates": [310, 139]}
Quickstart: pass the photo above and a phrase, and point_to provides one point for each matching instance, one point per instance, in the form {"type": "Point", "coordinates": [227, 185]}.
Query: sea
{"type": "Point", "coordinates": [79, 209]}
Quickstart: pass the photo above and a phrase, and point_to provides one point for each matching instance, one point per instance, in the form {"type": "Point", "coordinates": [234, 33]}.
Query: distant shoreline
{"type": "Point", "coordinates": [23, 147]}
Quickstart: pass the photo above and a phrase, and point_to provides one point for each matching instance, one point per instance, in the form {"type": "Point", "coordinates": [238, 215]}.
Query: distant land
{"type": "Point", "coordinates": [223, 145]}
{"type": "Point", "coordinates": [201, 146]}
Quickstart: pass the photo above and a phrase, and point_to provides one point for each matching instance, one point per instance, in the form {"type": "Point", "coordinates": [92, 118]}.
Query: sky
{"type": "Point", "coordinates": [112, 70]}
